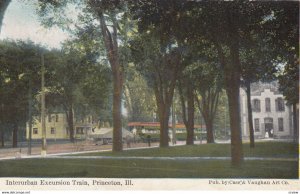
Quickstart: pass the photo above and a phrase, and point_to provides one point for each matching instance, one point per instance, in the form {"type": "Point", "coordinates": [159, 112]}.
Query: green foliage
{"type": "Point", "coordinates": [20, 73]}
{"type": "Point", "coordinates": [3, 6]}
{"type": "Point", "coordinates": [79, 81]}
{"type": "Point", "coordinates": [289, 82]}
{"type": "Point", "coordinates": [139, 98]}
{"type": "Point", "coordinates": [285, 39]}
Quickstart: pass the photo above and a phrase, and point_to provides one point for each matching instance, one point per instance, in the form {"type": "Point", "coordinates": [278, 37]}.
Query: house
{"type": "Point", "coordinates": [57, 127]}
{"type": "Point", "coordinates": [272, 117]}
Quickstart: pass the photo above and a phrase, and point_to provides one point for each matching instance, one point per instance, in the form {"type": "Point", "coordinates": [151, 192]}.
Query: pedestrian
{"type": "Point", "coordinates": [149, 140]}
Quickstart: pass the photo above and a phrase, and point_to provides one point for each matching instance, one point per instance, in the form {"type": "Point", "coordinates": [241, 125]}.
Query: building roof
{"type": "Point", "coordinates": [258, 87]}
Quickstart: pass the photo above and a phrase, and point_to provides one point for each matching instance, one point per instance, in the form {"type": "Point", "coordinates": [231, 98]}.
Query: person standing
{"type": "Point", "coordinates": [149, 140]}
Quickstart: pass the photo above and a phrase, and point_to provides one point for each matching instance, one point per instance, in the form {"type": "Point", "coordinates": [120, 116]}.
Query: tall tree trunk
{"type": "Point", "coordinates": [191, 112]}
{"type": "Point", "coordinates": [232, 74]}
{"type": "Point", "coordinates": [235, 123]}
{"type": "Point", "coordinates": [163, 118]}
{"type": "Point", "coordinates": [209, 129]}
{"type": "Point", "coordinates": [117, 117]}
{"type": "Point", "coordinates": [208, 108]}
{"type": "Point", "coordinates": [232, 84]}
{"type": "Point", "coordinates": [295, 122]}
{"type": "Point", "coordinates": [15, 136]}
{"type": "Point", "coordinates": [164, 127]}
{"type": "Point", "coordinates": [188, 118]}
{"type": "Point", "coordinates": [164, 101]}
{"type": "Point", "coordinates": [250, 118]}
{"type": "Point", "coordinates": [111, 46]}
{"type": "Point", "coordinates": [3, 6]}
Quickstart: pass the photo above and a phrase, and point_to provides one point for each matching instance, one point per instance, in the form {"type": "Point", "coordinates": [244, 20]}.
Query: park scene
{"type": "Point", "coordinates": [149, 89]}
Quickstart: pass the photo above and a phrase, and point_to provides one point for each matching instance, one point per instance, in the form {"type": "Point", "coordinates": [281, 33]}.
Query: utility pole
{"type": "Point", "coordinates": [1, 125]}
{"type": "Point", "coordinates": [29, 116]}
{"type": "Point", "coordinates": [225, 133]}
{"type": "Point", "coordinates": [173, 123]}
{"type": "Point", "coordinates": [44, 142]}
{"type": "Point", "coordinates": [201, 132]}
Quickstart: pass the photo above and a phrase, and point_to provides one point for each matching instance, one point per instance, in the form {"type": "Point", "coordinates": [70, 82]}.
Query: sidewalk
{"type": "Point", "coordinates": [62, 149]}
{"type": "Point", "coordinates": [172, 158]}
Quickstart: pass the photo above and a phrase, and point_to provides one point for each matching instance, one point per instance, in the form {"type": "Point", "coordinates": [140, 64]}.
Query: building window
{"type": "Point", "coordinates": [35, 131]}
{"type": "Point", "coordinates": [280, 124]}
{"type": "Point", "coordinates": [56, 118]}
{"type": "Point", "coordinates": [52, 130]}
{"type": "Point", "coordinates": [268, 104]}
{"type": "Point", "coordinates": [256, 125]}
{"type": "Point", "coordinates": [256, 105]}
{"type": "Point", "coordinates": [280, 104]}
{"type": "Point", "coordinates": [49, 118]}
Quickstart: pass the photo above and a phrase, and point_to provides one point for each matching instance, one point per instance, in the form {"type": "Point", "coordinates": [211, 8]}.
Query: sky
{"type": "Point", "coordinates": [21, 22]}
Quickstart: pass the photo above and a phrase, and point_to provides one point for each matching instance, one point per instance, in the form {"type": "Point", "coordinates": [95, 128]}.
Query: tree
{"type": "Point", "coordinates": [103, 15]}
{"type": "Point", "coordinates": [224, 25]}
{"type": "Point", "coordinates": [206, 23]}
{"type": "Point", "coordinates": [161, 66]}
{"type": "Point", "coordinates": [19, 64]}
{"type": "Point", "coordinates": [95, 89]}
{"type": "Point", "coordinates": [186, 89]}
{"type": "Point", "coordinates": [203, 81]}
{"type": "Point", "coordinates": [258, 64]}
{"type": "Point", "coordinates": [69, 68]}
{"type": "Point", "coordinates": [139, 98]}
{"type": "Point", "coordinates": [3, 6]}
{"type": "Point", "coordinates": [110, 39]}
{"type": "Point", "coordinates": [68, 72]}
{"type": "Point", "coordinates": [232, 68]}
{"type": "Point", "coordinates": [289, 85]}
{"type": "Point", "coordinates": [285, 40]}
{"type": "Point", "coordinates": [208, 89]}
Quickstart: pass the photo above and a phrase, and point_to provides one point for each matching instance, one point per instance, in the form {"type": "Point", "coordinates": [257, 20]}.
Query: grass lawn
{"type": "Point", "coordinates": [262, 149]}
{"type": "Point", "coordinates": [138, 168]}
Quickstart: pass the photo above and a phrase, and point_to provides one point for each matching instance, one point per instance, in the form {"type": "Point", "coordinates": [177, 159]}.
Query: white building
{"type": "Point", "coordinates": [272, 118]}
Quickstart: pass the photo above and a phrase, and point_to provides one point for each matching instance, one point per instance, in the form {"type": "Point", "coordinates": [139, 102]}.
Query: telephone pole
{"type": "Point", "coordinates": [44, 142]}
{"type": "Point", "coordinates": [30, 116]}
{"type": "Point", "coordinates": [173, 124]}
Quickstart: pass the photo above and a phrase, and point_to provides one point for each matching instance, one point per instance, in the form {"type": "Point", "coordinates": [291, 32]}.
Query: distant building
{"type": "Point", "coordinates": [57, 127]}
{"type": "Point", "coordinates": [272, 118]}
